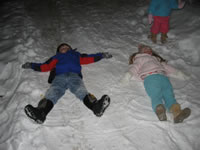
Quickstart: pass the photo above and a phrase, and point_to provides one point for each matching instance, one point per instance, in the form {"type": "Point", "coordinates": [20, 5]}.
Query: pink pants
{"type": "Point", "coordinates": [160, 24]}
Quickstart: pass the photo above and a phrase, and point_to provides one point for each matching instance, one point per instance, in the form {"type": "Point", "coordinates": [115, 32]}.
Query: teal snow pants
{"type": "Point", "coordinates": [160, 90]}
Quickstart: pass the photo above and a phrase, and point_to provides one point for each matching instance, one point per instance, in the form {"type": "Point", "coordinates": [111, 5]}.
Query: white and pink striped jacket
{"type": "Point", "coordinates": [146, 64]}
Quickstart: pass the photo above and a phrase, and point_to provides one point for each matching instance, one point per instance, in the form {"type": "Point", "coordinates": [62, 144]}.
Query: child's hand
{"type": "Point", "coordinates": [182, 75]}
{"type": "Point", "coordinates": [125, 80]}
{"type": "Point", "coordinates": [27, 65]}
{"type": "Point", "coordinates": [179, 75]}
{"type": "Point", "coordinates": [106, 55]}
{"type": "Point", "coordinates": [181, 4]}
{"type": "Point", "coordinates": [150, 18]}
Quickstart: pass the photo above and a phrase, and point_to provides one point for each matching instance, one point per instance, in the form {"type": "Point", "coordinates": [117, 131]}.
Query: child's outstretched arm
{"type": "Point", "coordinates": [41, 67]}
{"type": "Point", "coordinates": [125, 80]}
{"type": "Point", "coordinates": [179, 75]}
{"type": "Point", "coordinates": [175, 73]}
{"type": "Point", "coordinates": [131, 74]}
{"type": "Point", "coordinates": [91, 58]}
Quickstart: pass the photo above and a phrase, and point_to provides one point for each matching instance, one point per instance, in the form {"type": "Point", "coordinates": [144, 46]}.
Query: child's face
{"type": "Point", "coordinates": [64, 49]}
{"type": "Point", "coordinates": [145, 49]}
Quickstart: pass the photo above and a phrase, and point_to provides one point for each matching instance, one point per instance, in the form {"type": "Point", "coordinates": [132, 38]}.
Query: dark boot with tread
{"type": "Point", "coordinates": [97, 106]}
{"type": "Point", "coordinates": [39, 113]}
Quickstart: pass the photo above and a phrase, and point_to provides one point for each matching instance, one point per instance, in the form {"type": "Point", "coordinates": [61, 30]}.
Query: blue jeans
{"type": "Point", "coordinates": [160, 90]}
{"type": "Point", "coordinates": [62, 82]}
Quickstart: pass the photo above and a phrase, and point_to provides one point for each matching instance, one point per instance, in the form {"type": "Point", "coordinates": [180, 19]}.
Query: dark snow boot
{"type": "Point", "coordinates": [39, 113]}
{"type": "Point", "coordinates": [97, 106]}
{"type": "Point", "coordinates": [101, 105]}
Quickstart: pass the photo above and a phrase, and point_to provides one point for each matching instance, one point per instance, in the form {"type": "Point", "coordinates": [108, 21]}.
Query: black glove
{"type": "Point", "coordinates": [27, 65]}
{"type": "Point", "coordinates": [106, 55]}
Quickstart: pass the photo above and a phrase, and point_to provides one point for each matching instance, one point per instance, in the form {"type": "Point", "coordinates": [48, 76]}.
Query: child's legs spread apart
{"type": "Point", "coordinates": [153, 87]}
{"type": "Point", "coordinates": [76, 86]}
{"type": "Point", "coordinates": [168, 94]}
{"type": "Point", "coordinates": [57, 88]}
{"type": "Point", "coordinates": [155, 28]}
{"type": "Point", "coordinates": [164, 28]}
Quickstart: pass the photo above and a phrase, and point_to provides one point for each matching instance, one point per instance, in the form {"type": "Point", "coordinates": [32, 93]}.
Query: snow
{"type": "Point", "coordinates": [31, 31]}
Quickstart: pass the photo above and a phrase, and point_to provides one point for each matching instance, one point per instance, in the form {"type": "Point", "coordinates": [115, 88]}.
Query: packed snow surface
{"type": "Point", "coordinates": [31, 30]}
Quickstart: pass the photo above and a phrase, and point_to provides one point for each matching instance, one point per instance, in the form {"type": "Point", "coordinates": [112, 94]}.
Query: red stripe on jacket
{"type": "Point", "coordinates": [48, 67]}
{"type": "Point", "coordinates": [86, 60]}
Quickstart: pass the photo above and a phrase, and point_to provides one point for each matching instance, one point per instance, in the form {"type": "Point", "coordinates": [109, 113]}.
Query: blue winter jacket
{"type": "Point", "coordinates": [70, 61]}
{"type": "Point", "coordinates": [162, 7]}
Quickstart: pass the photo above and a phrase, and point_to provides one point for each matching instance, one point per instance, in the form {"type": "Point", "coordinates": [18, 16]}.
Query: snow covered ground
{"type": "Point", "coordinates": [30, 30]}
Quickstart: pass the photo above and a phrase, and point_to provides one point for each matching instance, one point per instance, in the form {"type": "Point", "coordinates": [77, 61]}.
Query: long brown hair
{"type": "Point", "coordinates": [132, 57]}
{"type": "Point", "coordinates": [158, 57]}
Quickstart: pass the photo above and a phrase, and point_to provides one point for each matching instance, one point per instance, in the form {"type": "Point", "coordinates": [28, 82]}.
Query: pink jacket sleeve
{"type": "Point", "coordinates": [169, 69]}
{"type": "Point", "coordinates": [134, 69]}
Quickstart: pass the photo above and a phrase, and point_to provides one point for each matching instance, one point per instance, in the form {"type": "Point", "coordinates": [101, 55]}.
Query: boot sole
{"type": "Point", "coordinates": [31, 115]}
{"type": "Point", "coordinates": [185, 113]}
{"type": "Point", "coordinates": [161, 113]}
{"type": "Point", "coordinates": [106, 103]}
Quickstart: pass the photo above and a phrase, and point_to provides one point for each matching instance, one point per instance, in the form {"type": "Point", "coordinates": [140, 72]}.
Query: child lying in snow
{"type": "Point", "coordinates": [152, 69]}
{"type": "Point", "coordinates": [67, 65]}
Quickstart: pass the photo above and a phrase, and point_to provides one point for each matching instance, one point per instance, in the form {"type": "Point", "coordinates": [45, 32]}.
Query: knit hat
{"type": "Point", "coordinates": [63, 45]}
